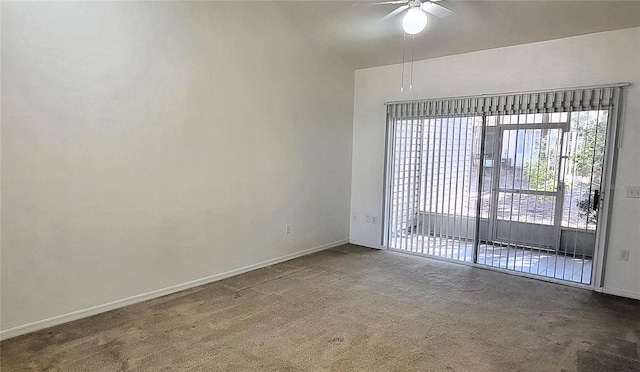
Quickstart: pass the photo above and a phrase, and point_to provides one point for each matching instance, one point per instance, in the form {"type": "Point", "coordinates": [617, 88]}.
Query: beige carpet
{"type": "Point", "coordinates": [350, 308]}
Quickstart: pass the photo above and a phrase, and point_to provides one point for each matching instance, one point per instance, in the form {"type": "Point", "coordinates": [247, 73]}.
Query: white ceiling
{"type": "Point", "coordinates": [356, 33]}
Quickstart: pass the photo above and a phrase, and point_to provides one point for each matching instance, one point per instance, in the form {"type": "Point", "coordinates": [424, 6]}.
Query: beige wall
{"type": "Point", "coordinates": [145, 145]}
{"type": "Point", "coordinates": [600, 58]}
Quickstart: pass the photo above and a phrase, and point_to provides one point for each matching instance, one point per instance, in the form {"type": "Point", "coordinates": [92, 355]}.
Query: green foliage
{"type": "Point", "coordinates": [539, 176]}
{"type": "Point", "coordinates": [589, 155]}
{"type": "Point", "coordinates": [539, 173]}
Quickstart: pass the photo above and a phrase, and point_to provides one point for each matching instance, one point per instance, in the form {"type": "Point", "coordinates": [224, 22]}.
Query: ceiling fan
{"type": "Point", "coordinates": [416, 20]}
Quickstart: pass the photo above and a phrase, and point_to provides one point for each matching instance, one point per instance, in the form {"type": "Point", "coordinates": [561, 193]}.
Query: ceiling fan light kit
{"type": "Point", "coordinates": [414, 21]}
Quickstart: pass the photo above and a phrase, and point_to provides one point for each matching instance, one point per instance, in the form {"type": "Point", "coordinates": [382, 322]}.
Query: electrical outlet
{"type": "Point", "coordinates": [624, 254]}
{"type": "Point", "coordinates": [367, 219]}
{"type": "Point", "coordinates": [287, 229]}
{"type": "Point", "coordinates": [354, 218]}
{"type": "Point", "coordinates": [633, 191]}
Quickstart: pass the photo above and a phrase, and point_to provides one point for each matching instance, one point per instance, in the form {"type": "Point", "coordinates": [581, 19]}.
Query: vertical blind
{"type": "Point", "coordinates": [436, 188]}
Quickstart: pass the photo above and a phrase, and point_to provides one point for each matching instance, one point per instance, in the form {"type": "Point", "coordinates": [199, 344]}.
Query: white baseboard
{"type": "Point", "coordinates": [79, 314]}
{"type": "Point", "coordinates": [368, 245]}
{"type": "Point", "coordinates": [621, 293]}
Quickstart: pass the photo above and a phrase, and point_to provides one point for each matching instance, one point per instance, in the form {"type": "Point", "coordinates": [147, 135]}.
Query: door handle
{"type": "Point", "coordinates": [596, 199]}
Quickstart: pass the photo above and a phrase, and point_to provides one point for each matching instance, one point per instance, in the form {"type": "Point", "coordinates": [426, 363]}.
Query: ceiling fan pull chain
{"type": "Point", "coordinates": [413, 42]}
{"type": "Point", "coordinates": [404, 38]}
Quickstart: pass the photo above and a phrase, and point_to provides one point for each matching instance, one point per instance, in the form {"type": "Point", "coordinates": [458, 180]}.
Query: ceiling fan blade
{"type": "Point", "coordinates": [395, 12]}
{"type": "Point", "coordinates": [435, 9]}
{"type": "Point", "coordinates": [389, 2]}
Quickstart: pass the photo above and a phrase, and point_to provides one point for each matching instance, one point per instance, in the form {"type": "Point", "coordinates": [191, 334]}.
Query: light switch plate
{"type": "Point", "coordinates": [633, 191]}
{"type": "Point", "coordinates": [624, 254]}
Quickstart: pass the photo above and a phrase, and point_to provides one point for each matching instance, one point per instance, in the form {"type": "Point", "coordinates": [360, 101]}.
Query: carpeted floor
{"type": "Point", "coordinates": [350, 308]}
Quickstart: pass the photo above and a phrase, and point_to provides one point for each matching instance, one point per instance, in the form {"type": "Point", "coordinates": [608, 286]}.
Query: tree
{"type": "Point", "coordinates": [586, 146]}
{"type": "Point", "coordinates": [539, 173]}
{"type": "Point", "coordinates": [591, 129]}
{"type": "Point", "coordinates": [588, 159]}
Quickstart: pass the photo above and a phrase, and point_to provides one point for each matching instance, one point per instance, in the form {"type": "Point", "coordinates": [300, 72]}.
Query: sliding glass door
{"type": "Point", "coordinates": [507, 185]}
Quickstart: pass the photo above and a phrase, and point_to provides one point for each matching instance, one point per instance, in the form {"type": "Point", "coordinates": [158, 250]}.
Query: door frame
{"type": "Point", "coordinates": [603, 224]}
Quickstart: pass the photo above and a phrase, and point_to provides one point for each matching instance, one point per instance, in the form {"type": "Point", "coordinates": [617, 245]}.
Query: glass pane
{"type": "Point", "coordinates": [530, 159]}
